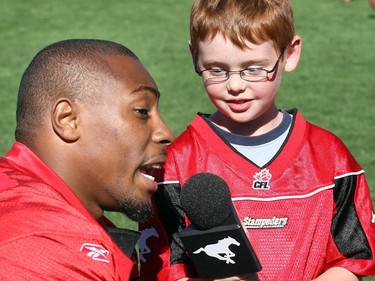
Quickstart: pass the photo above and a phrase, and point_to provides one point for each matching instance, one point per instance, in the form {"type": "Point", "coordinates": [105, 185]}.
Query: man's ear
{"type": "Point", "coordinates": [64, 120]}
{"type": "Point", "coordinates": [293, 54]}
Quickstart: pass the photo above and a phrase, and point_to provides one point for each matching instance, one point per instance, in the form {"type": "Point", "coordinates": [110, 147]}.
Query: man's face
{"type": "Point", "coordinates": [123, 138]}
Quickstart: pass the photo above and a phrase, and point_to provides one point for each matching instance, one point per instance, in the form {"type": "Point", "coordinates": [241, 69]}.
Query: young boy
{"type": "Point", "coordinates": [278, 166]}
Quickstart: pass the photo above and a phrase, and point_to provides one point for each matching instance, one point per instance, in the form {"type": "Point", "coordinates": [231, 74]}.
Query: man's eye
{"type": "Point", "coordinates": [143, 112]}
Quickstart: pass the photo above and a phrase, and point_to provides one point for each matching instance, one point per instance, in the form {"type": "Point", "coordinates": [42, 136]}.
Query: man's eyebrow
{"type": "Point", "coordinates": [148, 89]}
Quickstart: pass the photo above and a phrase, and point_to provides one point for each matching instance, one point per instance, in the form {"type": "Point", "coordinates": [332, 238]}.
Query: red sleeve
{"type": "Point", "coordinates": [51, 256]}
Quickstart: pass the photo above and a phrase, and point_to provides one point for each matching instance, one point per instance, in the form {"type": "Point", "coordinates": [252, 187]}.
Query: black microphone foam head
{"type": "Point", "coordinates": [205, 198]}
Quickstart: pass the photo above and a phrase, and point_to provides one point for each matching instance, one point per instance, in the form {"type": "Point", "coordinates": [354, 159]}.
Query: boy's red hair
{"type": "Point", "coordinates": [239, 20]}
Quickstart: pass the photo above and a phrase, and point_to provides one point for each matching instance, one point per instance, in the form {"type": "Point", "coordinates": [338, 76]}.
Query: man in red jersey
{"type": "Point", "coordinates": [88, 134]}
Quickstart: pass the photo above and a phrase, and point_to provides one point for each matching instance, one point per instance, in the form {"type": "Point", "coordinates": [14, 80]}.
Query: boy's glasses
{"type": "Point", "coordinates": [250, 74]}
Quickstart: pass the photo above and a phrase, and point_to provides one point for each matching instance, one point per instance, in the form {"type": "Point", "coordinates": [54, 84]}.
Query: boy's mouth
{"type": "Point", "coordinates": [239, 105]}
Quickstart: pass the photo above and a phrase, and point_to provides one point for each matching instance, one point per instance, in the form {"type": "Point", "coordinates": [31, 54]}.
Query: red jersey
{"type": "Point", "coordinates": [309, 209]}
{"type": "Point", "coordinates": [47, 233]}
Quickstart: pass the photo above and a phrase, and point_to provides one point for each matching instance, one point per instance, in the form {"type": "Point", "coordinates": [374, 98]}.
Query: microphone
{"type": "Point", "coordinates": [215, 240]}
{"type": "Point", "coordinates": [205, 198]}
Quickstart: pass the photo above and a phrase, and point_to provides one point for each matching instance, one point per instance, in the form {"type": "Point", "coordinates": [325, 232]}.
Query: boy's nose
{"type": "Point", "coordinates": [235, 84]}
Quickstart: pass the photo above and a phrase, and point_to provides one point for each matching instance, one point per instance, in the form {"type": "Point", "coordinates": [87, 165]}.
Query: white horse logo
{"type": "Point", "coordinates": [220, 250]}
{"type": "Point", "coordinates": [143, 248]}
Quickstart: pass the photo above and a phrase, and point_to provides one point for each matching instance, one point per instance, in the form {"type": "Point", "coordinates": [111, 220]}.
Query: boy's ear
{"type": "Point", "coordinates": [293, 54]}
{"type": "Point", "coordinates": [64, 120]}
{"type": "Point", "coordinates": [192, 55]}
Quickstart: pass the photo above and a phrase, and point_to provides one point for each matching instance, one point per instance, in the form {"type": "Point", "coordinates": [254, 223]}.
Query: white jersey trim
{"type": "Point", "coordinates": [285, 197]}
{"type": "Point", "coordinates": [350, 174]}
{"type": "Point", "coordinates": [298, 196]}
{"type": "Point", "coordinates": [281, 197]}
{"type": "Point", "coordinates": [168, 182]}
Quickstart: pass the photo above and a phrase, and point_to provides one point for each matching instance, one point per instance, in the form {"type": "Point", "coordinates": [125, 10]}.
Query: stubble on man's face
{"type": "Point", "coordinates": [136, 209]}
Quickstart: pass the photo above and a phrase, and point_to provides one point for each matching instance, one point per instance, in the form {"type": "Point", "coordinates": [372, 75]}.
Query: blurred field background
{"type": "Point", "coordinates": [333, 85]}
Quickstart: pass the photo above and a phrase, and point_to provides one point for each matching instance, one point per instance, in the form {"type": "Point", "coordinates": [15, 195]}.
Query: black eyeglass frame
{"type": "Point", "coordinates": [229, 72]}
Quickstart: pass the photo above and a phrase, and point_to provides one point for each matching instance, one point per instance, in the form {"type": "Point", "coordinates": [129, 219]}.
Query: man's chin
{"type": "Point", "coordinates": [137, 212]}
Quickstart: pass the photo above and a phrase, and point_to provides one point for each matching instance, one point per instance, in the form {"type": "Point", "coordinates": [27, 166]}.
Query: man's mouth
{"type": "Point", "coordinates": [148, 176]}
{"type": "Point", "coordinates": [147, 170]}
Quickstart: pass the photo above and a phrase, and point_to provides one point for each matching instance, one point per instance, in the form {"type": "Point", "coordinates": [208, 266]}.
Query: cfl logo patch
{"type": "Point", "coordinates": [260, 185]}
{"type": "Point", "coordinates": [262, 179]}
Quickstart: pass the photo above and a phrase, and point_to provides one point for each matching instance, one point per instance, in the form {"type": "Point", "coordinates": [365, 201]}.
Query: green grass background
{"type": "Point", "coordinates": [333, 85]}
